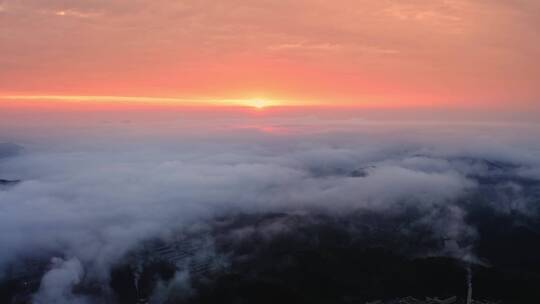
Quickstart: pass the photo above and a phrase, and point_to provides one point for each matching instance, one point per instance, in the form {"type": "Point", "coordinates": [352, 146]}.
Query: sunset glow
{"type": "Point", "coordinates": [457, 53]}
{"type": "Point", "coordinates": [258, 103]}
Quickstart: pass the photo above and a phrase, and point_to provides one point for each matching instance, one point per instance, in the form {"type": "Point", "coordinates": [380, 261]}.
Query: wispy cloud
{"type": "Point", "coordinates": [76, 14]}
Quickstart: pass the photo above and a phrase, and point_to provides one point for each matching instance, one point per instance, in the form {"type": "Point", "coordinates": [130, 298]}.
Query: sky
{"type": "Point", "coordinates": [480, 54]}
{"type": "Point", "coordinates": [131, 120]}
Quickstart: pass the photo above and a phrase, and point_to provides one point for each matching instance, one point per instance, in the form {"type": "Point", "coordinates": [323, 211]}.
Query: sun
{"type": "Point", "coordinates": [258, 103]}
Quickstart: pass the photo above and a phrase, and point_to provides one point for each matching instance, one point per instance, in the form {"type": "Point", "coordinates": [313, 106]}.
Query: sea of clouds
{"type": "Point", "coordinates": [93, 190]}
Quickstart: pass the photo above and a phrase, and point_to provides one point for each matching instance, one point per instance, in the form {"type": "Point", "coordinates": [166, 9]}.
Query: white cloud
{"type": "Point", "coordinates": [94, 196]}
{"type": "Point", "coordinates": [57, 283]}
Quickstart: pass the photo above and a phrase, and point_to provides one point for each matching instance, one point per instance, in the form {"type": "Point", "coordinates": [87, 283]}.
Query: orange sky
{"type": "Point", "coordinates": [341, 52]}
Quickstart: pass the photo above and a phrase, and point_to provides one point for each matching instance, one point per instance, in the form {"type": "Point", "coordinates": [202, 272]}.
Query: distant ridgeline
{"type": "Point", "coordinates": [6, 182]}
{"type": "Point", "coordinates": [8, 150]}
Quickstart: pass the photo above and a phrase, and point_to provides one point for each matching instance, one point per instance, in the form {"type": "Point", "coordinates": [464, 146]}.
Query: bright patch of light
{"type": "Point", "coordinates": [258, 103]}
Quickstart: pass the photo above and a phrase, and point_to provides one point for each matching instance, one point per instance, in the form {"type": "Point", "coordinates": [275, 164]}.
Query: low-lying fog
{"type": "Point", "coordinates": [94, 188]}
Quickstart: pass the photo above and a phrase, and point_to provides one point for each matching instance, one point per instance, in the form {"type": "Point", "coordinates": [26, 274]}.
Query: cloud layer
{"type": "Point", "coordinates": [89, 200]}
